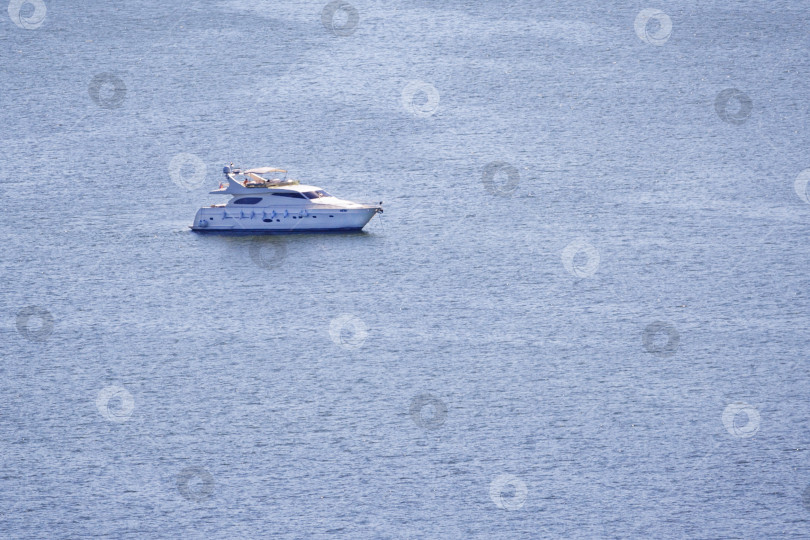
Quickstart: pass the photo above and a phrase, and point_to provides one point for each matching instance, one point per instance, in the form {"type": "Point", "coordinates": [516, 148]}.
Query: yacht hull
{"type": "Point", "coordinates": [281, 221]}
{"type": "Point", "coordinates": [275, 231]}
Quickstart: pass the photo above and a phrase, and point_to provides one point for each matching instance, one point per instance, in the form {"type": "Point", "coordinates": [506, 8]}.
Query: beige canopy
{"type": "Point", "coordinates": [256, 177]}
{"type": "Point", "coordinates": [264, 170]}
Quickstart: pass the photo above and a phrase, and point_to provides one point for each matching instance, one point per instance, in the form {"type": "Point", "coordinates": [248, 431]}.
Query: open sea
{"type": "Point", "coordinates": [585, 312]}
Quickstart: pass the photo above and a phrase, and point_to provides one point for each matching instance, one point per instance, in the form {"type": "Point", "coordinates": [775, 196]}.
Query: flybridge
{"type": "Point", "coordinates": [243, 181]}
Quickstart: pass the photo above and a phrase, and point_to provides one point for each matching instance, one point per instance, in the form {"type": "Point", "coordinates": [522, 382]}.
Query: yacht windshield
{"type": "Point", "coordinates": [316, 194]}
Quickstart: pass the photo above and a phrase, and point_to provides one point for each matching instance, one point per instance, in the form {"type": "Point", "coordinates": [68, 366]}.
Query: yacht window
{"type": "Point", "coordinates": [316, 194]}
{"type": "Point", "coordinates": [247, 200]}
{"type": "Point", "coordinates": [292, 195]}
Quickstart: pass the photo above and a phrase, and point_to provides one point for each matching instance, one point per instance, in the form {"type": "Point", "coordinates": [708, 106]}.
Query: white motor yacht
{"type": "Point", "coordinates": [277, 205]}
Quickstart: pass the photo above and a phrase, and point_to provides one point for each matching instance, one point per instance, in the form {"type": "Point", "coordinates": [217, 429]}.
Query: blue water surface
{"type": "Point", "coordinates": [583, 314]}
